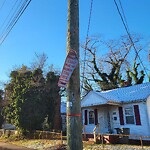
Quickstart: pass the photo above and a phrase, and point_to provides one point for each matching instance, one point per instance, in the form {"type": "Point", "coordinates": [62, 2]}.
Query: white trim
{"type": "Point", "coordinates": [125, 121]}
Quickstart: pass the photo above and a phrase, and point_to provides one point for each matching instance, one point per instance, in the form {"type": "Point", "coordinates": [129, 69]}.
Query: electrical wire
{"type": "Point", "coordinates": [2, 25]}
{"type": "Point", "coordinates": [129, 35]}
{"type": "Point", "coordinates": [123, 14]}
{"type": "Point", "coordinates": [14, 20]}
{"type": "Point", "coordinates": [87, 37]}
{"type": "Point", "coordinates": [9, 23]}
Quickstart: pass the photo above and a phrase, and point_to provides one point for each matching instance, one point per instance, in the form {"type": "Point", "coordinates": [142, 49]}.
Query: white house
{"type": "Point", "coordinates": [127, 107]}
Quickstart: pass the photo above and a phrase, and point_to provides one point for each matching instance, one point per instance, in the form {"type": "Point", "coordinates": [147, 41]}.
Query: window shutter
{"type": "Point", "coordinates": [85, 117]}
{"type": "Point", "coordinates": [137, 115]}
{"type": "Point", "coordinates": [121, 116]}
{"type": "Point", "coordinates": [96, 116]}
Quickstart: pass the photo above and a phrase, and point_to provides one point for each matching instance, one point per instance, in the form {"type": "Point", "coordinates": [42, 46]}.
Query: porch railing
{"type": "Point", "coordinates": [84, 132]}
{"type": "Point", "coordinates": [96, 134]}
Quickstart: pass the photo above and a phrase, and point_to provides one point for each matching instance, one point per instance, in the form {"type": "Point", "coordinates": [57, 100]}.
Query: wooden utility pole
{"type": "Point", "coordinates": [74, 126]}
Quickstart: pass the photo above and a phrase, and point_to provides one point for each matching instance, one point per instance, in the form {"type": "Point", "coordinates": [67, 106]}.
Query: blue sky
{"type": "Point", "coordinates": [43, 28]}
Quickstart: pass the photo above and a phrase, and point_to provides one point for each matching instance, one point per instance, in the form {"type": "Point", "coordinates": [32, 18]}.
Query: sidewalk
{"type": "Point", "coordinates": [7, 146]}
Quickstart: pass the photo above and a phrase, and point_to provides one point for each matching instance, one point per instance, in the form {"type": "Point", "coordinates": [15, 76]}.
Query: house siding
{"type": "Point", "coordinates": [134, 129]}
{"type": "Point", "coordinates": [110, 103]}
{"type": "Point", "coordinates": [148, 111]}
{"type": "Point", "coordinates": [142, 129]}
{"type": "Point", "coordinates": [85, 120]}
{"type": "Point", "coordinates": [101, 119]}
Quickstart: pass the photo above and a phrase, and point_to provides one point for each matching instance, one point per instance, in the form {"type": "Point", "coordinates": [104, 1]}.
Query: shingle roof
{"type": "Point", "coordinates": [119, 95]}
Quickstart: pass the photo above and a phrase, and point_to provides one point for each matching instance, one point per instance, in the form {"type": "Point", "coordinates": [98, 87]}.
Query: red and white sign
{"type": "Point", "coordinates": [70, 64]}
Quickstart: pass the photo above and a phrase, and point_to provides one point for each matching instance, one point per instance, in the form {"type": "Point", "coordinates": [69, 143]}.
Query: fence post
{"type": "Point", "coordinates": [46, 134]}
{"type": "Point", "coordinates": [141, 141]}
{"type": "Point", "coordinates": [94, 136]}
{"type": "Point", "coordinates": [84, 133]}
{"type": "Point", "coordinates": [102, 141]}
{"type": "Point", "coordinates": [98, 128]}
{"type": "Point", "coordinates": [61, 138]}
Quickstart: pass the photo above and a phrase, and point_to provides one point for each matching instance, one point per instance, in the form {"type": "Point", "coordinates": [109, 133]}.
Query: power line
{"type": "Point", "coordinates": [87, 37]}
{"type": "Point", "coordinates": [9, 23]}
{"type": "Point", "coordinates": [123, 14]}
{"type": "Point", "coordinates": [15, 20]}
{"type": "Point", "coordinates": [2, 26]}
{"type": "Point", "coordinates": [129, 35]}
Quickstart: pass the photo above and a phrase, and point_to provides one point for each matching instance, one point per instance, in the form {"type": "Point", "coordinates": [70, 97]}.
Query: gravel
{"type": "Point", "coordinates": [57, 145]}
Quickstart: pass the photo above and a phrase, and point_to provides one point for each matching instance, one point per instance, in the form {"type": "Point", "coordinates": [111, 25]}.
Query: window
{"type": "Point", "coordinates": [114, 113]}
{"type": "Point", "coordinates": [115, 118]}
{"type": "Point", "coordinates": [129, 115]}
{"type": "Point", "coordinates": [91, 117]}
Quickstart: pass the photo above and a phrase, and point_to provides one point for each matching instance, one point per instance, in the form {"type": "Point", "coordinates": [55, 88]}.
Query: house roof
{"type": "Point", "coordinates": [120, 95]}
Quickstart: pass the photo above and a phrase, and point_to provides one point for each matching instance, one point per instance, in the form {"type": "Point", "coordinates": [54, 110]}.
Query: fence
{"type": "Point", "coordinates": [103, 138]}
{"type": "Point", "coordinates": [108, 137]}
{"type": "Point", "coordinates": [35, 135]}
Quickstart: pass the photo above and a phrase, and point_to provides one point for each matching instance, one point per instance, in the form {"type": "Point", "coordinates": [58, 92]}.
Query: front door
{"type": "Point", "coordinates": [115, 120]}
{"type": "Point", "coordinates": [103, 122]}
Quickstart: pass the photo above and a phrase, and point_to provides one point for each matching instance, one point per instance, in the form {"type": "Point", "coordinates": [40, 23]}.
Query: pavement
{"type": "Point", "coordinates": [8, 146]}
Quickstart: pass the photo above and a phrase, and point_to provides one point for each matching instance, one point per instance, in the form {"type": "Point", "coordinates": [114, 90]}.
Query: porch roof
{"type": "Point", "coordinates": [134, 93]}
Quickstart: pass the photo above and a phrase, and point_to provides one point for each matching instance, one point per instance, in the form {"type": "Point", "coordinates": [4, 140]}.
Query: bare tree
{"type": "Point", "coordinates": [114, 68]}
{"type": "Point", "coordinates": [39, 62]}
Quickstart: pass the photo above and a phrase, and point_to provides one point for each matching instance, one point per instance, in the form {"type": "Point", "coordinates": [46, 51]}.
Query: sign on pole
{"type": "Point", "coordinates": [69, 65]}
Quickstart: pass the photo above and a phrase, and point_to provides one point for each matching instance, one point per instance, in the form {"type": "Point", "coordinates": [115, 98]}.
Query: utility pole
{"type": "Point", "coordinates": [74, 125]}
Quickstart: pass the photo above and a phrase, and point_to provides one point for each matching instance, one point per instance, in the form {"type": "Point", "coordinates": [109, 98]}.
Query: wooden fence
{"type": "Point", "coordinates": [34, 135]}
{"type": "Point", "coordinates": [59, 136]}
{"type": "Point", "coordinates": [108, 137]}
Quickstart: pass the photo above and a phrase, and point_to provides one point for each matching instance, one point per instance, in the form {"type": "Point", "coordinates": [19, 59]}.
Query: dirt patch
{"type": "Point", "coordinates": [57, 145]}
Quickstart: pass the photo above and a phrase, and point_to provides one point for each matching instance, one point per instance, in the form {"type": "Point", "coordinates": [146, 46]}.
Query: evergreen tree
{"type": "Point", "coordinates": [53, 101]}
{"type": "Point", "coordinates": [27, 107]}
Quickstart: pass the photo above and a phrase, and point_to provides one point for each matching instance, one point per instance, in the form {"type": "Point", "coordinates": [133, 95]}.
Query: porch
{"type": "Point", "coordinates": [107, 116]}
{"type": "Point", "coordinates": [122, 136]}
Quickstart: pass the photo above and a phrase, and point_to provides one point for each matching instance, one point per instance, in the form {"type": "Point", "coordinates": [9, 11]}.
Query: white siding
{"type": "Point", "coordinates": [89, 127]}
{"type": "Point", "coordinates": [148, 110]}
{"type": "Point", "coordinates": [142, 129]}
{"type": "Point", "coordinates": [102, 120]}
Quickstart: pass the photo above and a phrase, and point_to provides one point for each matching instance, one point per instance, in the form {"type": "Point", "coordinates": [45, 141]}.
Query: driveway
{"type": "Point", "coordinates": [7, 146]}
